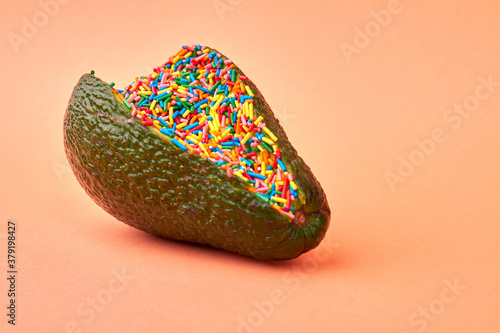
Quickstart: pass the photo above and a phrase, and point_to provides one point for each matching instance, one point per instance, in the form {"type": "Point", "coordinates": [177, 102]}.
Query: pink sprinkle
{"type": "Point", "coordinates": [263, 189]}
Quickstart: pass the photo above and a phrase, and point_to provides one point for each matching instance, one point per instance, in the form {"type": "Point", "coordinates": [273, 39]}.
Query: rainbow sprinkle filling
{"type": "Point", "coordinates": [203, 105]}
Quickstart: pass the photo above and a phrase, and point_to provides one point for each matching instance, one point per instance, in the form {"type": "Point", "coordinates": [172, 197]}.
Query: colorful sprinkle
{"type": "Point", "coordinates": [200, 101]}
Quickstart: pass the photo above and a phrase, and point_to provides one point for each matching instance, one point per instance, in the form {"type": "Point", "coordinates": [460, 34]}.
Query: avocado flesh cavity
{"type": "Point", "coordinates": [140, 177]}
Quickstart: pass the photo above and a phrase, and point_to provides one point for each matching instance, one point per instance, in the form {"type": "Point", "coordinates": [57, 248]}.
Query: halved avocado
{"type": "Point", "coordinates": [136, 174]}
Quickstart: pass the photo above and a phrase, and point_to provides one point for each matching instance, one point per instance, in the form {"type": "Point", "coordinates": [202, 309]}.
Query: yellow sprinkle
{"type": "Point", "coordinates": [263, 168]}
{"type": "Point", "coordinates": [268, 132]}
{"type": "Point", "coordinates": [174, 85]}
{"type": "Point", "coordinates": [206, 50]}
{"type": "Point", "coordinates": [188, 55]}
{"type": "Point", "coordinates": [226, 132]}
{"type": "Point", "coordinates": [162, 91]}
{"type": "Point", "coordinates": [278, 199]}
{"type": "Point", "coordinates": [203, 106]}
{"type": "Point", "coordinates": [152, 106]}
{"type": "Point", "coordinates": [239, 175]}
{"type": "Point", "coordinates": [181, 125]}
{"type": "Point", "coordinates": [247, 88]}
{"type": "Point", "coordinates": [268, 141]}
{"type": "Point", "coordinates": [260, 148]}
{"type": "Point", "coordinates": [181, 90]}
{"type": "Point", "coordinates": [276, 207]}
{"type": "Point", "coordinates": [192, 138]}
{"type": "Point", "coordinates": [217, 120]}
{"type": "Point", "coordinates": [275, 147]}
{"type": "Point", "coordinates": [184, 115]}
{"type": "Point", "coordinates": [202, 146]}
{"type": "Point", "coordinates": [247, 137]}
{"type": "Point", "coordinates": [237, 104]}
{"type": "Point", "coordinates": [211, 75]}
{"type": "Point", "coordinates": [293, 185]}
{"type": "Point", "coordinates": [245, 109]}
{"type": "Point", "coordinates": [258, 120]}
{"type": "Point", "coordinates": [250, 110]}
{"type": "Point", "coordinates": [170, 113]}
{"type": "Point", "coordinates": [211, 126]}
{"type": "Point", "coordinates": [245, 128]}
{"type": "Point", "coordinates": [177, 58]}
{"type": "Point", "coordinates": [144, 92]}
{"type": "Point", "coordinates": [141, 88]}
{"type": "Point", "coordinates": [217, 104]}
{"type": "Point", "coordinates": [268, 172]}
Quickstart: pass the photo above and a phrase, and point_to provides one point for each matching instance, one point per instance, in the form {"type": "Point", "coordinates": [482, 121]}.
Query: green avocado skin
{"type": "Point", "coordinates": [150, 184]}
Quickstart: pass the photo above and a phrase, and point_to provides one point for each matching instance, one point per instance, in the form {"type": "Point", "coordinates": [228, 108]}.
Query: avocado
{"type": "Point", "coordinates": [134, 168]}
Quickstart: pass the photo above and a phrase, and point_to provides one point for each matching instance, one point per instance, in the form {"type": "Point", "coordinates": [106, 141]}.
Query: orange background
{"type": "Point", "coordinates": [353, 105]}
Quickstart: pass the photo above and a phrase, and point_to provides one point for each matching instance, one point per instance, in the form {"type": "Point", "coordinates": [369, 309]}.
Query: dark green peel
{"type": "Point", "coordinates": [141, 178]}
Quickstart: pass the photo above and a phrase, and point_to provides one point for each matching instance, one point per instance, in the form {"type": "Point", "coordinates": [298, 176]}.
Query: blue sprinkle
{"type": "Point", "coordinates": [163, 122]}
{"type": "Point", "coordinates": [178, 144]}
{"type": "Point", "coordinates": [202, 88]}
{"type": "Point", "coordinates": [256, 175]}
{"type": "Point", "coordinates": [161, 95]}
{"type": "Point", "coordinates": [200, 103]}
{"type": "Point", "coordinates": [175, 114]}
{"type": "Point", "coordinates": [166, 131]}
{"type": "Point", "coordinates": [193, 125]}
{"type": "Point", "coordinates": [280, 163]}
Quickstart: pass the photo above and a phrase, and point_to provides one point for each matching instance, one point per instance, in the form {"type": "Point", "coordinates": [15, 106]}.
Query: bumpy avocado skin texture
{"type": "Point", "coordinates": [143, 180]}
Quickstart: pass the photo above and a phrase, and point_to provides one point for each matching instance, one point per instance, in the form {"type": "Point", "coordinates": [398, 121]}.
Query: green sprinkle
{"type": "Point", "coordinates": [127, 104]}
{"type": "Point", "coordinates": [262, 196]}
{"type": "Point", "coordinates": [266, 146]}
